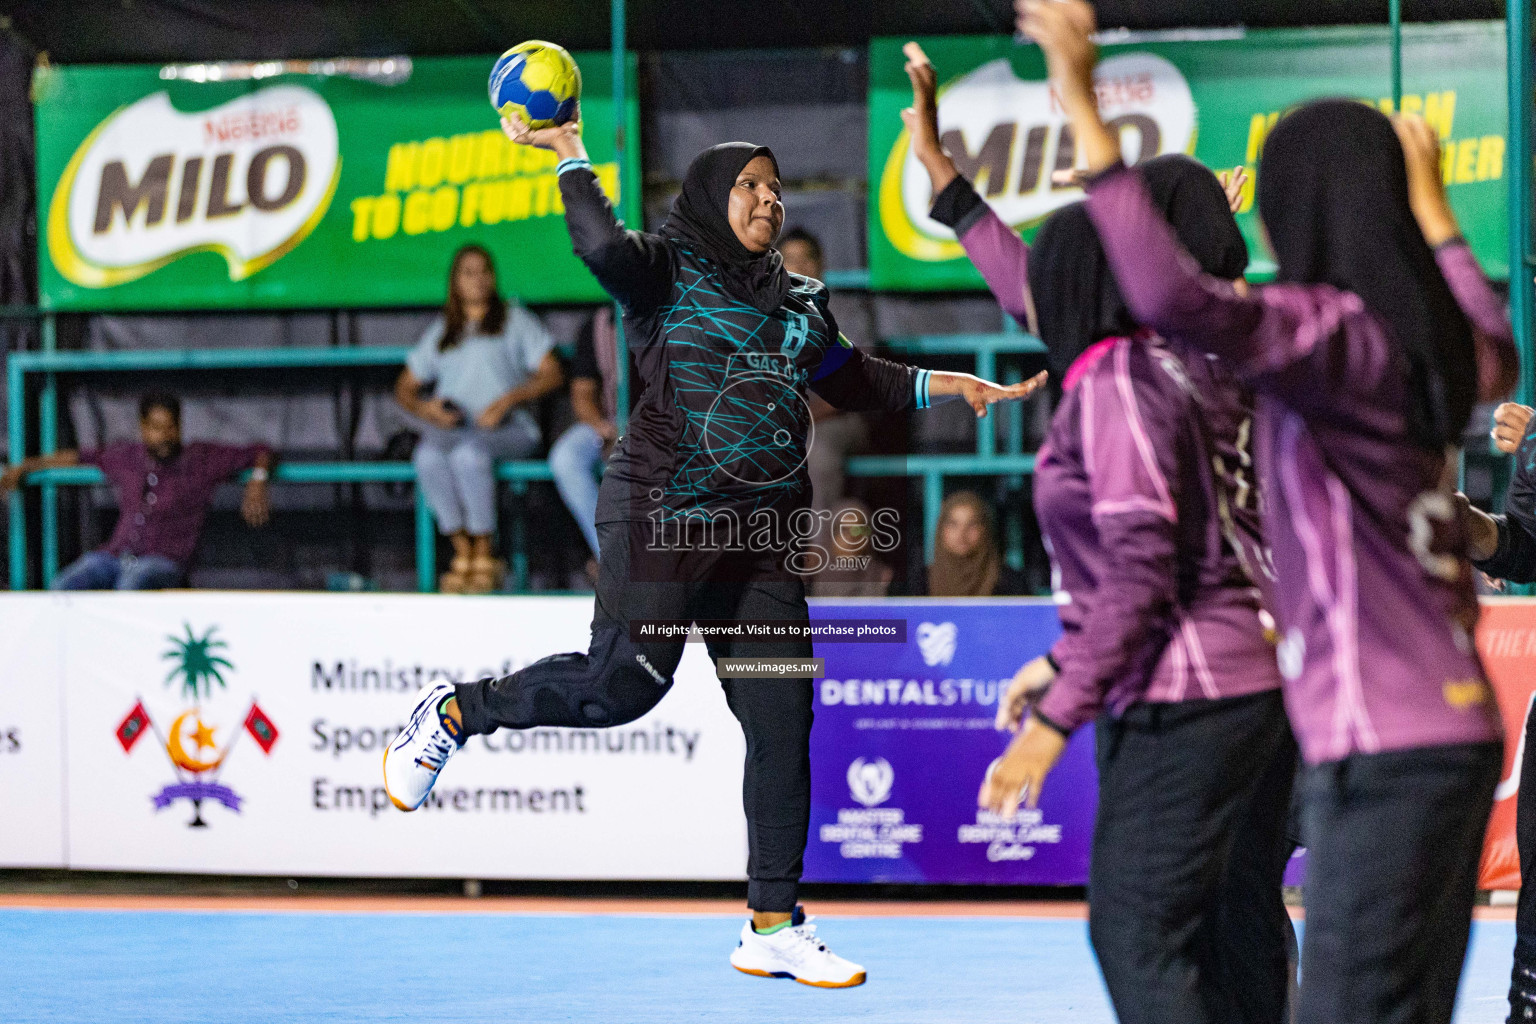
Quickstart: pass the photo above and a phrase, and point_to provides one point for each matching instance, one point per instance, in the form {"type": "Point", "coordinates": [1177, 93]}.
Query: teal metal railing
{"type": "Point", "coordinates": [1522, 289]}
{"type": "Point", "coordinates": [50, 364]}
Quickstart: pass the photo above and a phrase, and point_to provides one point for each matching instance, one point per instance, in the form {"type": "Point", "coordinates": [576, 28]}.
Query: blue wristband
{"type": "Point", "coordinates": [571, 163]}
{"type": "Point", "coordinates": [921, 384]}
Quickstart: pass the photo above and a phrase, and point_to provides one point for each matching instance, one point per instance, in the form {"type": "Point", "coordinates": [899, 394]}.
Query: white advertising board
{"type": "Point", "coordinates": [31, 734]}
{"type": "Point", "coordinates": [244, 733]}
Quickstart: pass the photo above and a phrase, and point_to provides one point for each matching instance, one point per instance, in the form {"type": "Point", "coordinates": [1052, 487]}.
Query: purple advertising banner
{"type": "Point", "coordinates": [903, 735]}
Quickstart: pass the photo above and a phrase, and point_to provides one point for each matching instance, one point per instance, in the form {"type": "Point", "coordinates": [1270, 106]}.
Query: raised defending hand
{"type": "Point", "coordinates": [922, 117]}
{"type": "Point", "coordinates": [1510, 421]}
{"type": "Point", "coordinates": [1024, 690]}
{"type": "Point", "coordinates": [1020, 773]}
{"type": "Point", "coordinates": [1064, 29]}
{"type": "Point", "coordinates": [564, 139]}
{"type": "Point", "coordinates": [1426, 187]}
{"type": "Point", "coordinates": [1232, 183]}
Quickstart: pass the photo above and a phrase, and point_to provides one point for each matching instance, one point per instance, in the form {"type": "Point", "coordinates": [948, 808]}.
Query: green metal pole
{"type": "Point", "coordinates": [628, 194]}
{"type": "Point", "coordinates": [986, 426]}
{"type": "Point", "coordinates": [426, 544]}
{"type": "Point", "coordinates": [933, 500]}
{"type": "Point", "coordinates": [16, 428]}
{"type": "Point", "coordinates": [1013, 445]}
{"type": "Point", "coordinates": [520, 538]}
{"type": "Point", "coordinates": [1395, 15]}
{"type": "Point", "coordinates": [1521, 287]}
{"type": "Point", "coordinates": [48, 443]}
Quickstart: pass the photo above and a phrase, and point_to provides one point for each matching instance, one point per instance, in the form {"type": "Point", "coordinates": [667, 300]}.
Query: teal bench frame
{"type": "Point", "coordinates": [50, 363]}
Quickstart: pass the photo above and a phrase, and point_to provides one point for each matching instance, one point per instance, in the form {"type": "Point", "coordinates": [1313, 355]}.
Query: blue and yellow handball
{"type": "Point", "coordinates": [538, 82]}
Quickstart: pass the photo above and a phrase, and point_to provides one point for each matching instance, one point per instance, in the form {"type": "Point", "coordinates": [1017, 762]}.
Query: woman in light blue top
{"type": "Point", "coordinates": [483, 362]}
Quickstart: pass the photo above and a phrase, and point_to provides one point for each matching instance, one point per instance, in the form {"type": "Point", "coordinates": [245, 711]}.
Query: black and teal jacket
{"type": "Point", "coordinates": [722, 423]}
{"type": "Point", "coordinates": [1515, 558]}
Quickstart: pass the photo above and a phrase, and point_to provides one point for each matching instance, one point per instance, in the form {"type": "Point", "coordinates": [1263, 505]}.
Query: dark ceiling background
{"type": "Point", "coordinates": [92, 31]}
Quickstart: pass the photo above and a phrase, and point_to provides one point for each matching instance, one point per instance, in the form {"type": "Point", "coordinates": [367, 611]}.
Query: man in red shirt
{"type": "Point", "coordinates": [163, 491]}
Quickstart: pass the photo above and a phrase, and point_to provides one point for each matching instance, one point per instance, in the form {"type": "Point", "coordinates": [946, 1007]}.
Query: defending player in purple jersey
{"type": "Point", "coordinates": [1367, 356]}
{"type": "Point", "coordinates": [1144, 491]}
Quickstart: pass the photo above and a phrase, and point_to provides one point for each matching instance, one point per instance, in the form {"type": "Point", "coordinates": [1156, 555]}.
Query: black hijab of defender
{"type": "Point", "coordinates": [1333, 192]}
{"type": "Point", "coordinates": [699, 217]}
{"type": "Point", "coordinates": [1076, 299]}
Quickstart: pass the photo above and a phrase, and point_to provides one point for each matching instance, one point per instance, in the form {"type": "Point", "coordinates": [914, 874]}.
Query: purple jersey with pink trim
{"type": "Point", "coordinates": [1146, 494]}
{"type": "Point", "coordinates": [1374, 594]}
{"type": "Point", "coordinates": [1150, 523]}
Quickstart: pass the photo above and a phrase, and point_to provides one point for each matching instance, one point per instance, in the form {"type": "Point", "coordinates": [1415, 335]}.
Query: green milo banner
{"type": "Point", "coordinates": [1214, 96]}
{"type": "Point", "coordinates": [301, 190]}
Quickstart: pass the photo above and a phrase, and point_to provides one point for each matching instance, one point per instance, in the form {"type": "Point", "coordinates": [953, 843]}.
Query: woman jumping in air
{"type": "Point", "coordinates": [703, 509]}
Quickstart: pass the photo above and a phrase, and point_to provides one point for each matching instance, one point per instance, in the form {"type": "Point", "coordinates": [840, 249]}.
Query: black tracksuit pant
{"type": "Point", "coordinates": [1189, 851]}
{"type": "Point", "coordinates": [1522, 986]}
{"type": "Point", "coordinates": [617, 680]}
{"type": "Point", "coordinates": [1394, 841]}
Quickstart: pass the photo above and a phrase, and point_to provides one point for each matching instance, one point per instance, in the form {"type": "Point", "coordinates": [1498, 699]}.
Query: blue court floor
{"type": "Point", "coordinates": [133, 967]}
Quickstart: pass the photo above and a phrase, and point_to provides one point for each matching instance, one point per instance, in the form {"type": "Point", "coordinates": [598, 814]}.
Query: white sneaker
{"type": "Point", "coordinates": [413, 759]}
{"type": "Point", "coordinates": [794, 952]}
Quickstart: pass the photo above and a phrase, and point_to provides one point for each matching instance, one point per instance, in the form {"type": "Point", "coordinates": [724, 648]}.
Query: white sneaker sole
{"type": "Point", "coordinates": [856, 980]}
{"type": "Point", "coordinates": [387, 793]}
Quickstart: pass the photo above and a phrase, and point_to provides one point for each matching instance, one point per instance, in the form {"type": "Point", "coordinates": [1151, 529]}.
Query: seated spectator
{"type": "Point", "coordinates": [486, 361]}
{"type": "Point", "coordinates": [966, 559]}
{"type": "Point", "coordinates": [838, 434]}
{"type": "Point", "coordinates": [163, 492]}
{"type": "Point", "coordinates": [575, 457]}
{"type": "Point", "coordinates": [854, 570]}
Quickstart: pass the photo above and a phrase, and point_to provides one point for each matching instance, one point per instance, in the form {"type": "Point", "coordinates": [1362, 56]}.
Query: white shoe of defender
{"type": "Point", "coordinates": [794, 952]}
{"type": "Point", "coordinates": [413, 759]}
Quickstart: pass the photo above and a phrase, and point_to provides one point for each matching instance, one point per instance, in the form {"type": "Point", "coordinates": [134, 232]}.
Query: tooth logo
{"type": "Point", "coordinates": [249, 180]}
{"type": "Point", "coordinates": [937, 642]}
{"type": "Point", "coordinates": [1009, 135]}
{"type": "Point", "coordinates": [870, 782]}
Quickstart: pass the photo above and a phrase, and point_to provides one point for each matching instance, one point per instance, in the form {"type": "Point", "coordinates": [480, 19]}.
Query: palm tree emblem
{"type": "Point", "coordinates": [197, 662]}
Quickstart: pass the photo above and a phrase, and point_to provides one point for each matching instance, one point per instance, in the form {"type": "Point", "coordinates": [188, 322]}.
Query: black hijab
{"type": "Point", "coordinates": [699, 217]}
{"type": "Point", "coordinates": [1075, 296]}
{"type": "Point", "coordinates": [1333, 192]}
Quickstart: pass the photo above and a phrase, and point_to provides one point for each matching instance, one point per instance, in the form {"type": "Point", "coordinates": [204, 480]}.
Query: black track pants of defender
{"type": "Point", "coordinates": [615, 682]}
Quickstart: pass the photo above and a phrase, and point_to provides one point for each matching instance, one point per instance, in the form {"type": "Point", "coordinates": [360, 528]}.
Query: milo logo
{"type": "Point", "coordinates": [249, 180]}
{"type": "Point", "coordinates": [1009, 136]}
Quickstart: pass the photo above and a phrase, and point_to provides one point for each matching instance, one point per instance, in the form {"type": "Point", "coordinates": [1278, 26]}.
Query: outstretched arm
{"type": "Point", "coordinates": [995, 248]}
{"type": "Point", "coordinates": [632, 266]}
{"type": "Point", "coordinates": [980, 394]}
{"type": "Point", "coordinates": [860, 383]}
{"type": "Point", "coordinates": [851, 380]}
{"type": "Point", "coordinates": [11, 478]}
{"type": "Point", "coordinates": [1497, 363]}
